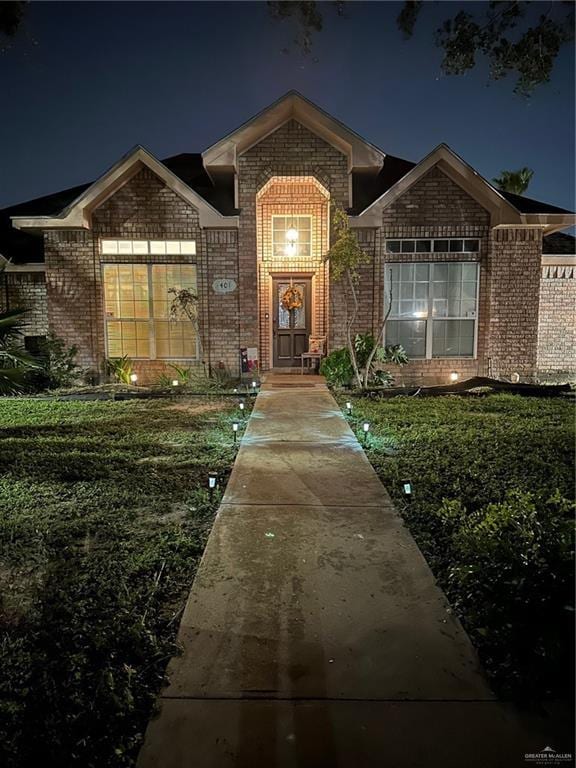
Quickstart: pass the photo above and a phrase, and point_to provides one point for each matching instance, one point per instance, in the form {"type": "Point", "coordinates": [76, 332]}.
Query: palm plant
{"type": "Point", "coordinates": [516, 182]}
{"type": "Point", "coordinates": [15, 362]}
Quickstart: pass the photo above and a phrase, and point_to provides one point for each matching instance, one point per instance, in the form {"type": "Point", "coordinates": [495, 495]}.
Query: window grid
{"type": "Point", "coordinates": [434, 245]}
{"type": "Point", "coordinates": [137, 311]}
{"type": "Point", "coordinates": [434, 308]}
{"type": "Point", "coordinates": [303, 225]}
{"type": "Point", "coordinates": [145, 247]}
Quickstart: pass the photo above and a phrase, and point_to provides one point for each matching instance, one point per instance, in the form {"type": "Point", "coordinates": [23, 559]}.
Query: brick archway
{"type": "Point", "coordinates": [292, 196]}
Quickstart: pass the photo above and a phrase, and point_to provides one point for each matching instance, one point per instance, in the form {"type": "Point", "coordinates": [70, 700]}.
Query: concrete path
{"type": "Point", "coordinates": [314, 634]}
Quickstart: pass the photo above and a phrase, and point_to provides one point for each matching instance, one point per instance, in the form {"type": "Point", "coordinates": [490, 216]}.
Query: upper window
{"type": "Point", "coordinates": [137, 306]}
{"type": "Point", "coordinates": [433, 308]}
{"type": "Point", "coordinates": [291, 236]}
{"type": "Point", "coordinates": [434, 245]}
{"type": "Point", "coordinates": [154, 247]}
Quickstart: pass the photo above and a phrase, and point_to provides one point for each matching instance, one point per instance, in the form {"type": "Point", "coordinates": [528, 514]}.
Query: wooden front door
{"type": "Point", "coordinates": [291, 328]}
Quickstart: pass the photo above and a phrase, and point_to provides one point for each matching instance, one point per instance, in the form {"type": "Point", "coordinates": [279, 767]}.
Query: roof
{"type": "Point", "coordinates": [559, 243]}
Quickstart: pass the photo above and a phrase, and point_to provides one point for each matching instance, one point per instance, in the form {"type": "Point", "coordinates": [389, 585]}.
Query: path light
{"type": "Point", "coordinates": [235, 429]}
{"type": "Point", "coordinates": [212, 479]}
{"type": "Point", "coordinates": [235, 390]}
{"type": "Point", "coordinates": [241, 405]}
{"type": "Point", "coordinates": [254, 385]}
{"type": "Point", "coordinates": [133, 378]}
{"type": "Point", "coordinates": [175, 382]}
{"type": "Point", "coordinates": [515, 378]}
{"type": "Point", "coordinates": [349, 407]}
{"type": "Point", "coordinates": [407, 488]}
{"type": "Point", "coordinates": [454, 376]}
{"type": "Point", "coordinates": [366, 428]}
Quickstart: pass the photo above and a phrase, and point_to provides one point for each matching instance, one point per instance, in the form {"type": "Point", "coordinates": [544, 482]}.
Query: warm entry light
{"type": "Point", "coordinates": [291, 238]}
{"type": "Point", "coordinates": [454, 376]}
{"type": "Point", "coordinates": [133, 378]}
{"type": "Point", "coordinates": [212, 476]}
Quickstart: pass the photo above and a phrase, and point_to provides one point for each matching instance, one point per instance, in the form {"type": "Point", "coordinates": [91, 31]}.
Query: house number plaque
{"type": "Point", "coordinates": [224, 285]}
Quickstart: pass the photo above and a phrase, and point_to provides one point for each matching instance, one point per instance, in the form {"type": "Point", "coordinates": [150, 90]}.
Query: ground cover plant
{"type": "Point", "coordinates": [104, 514]}
{"type": "Point", "coordinates": [492, 511]}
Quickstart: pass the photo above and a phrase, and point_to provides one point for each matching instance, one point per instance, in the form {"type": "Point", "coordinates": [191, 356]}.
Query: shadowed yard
{"type": "Point", "coordinates": [104, 515]}
{"type": "Point", "coordinates": [492, 510]}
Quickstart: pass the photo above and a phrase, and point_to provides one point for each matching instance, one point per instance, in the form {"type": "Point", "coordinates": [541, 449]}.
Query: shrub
{"type": "Point", "coordinates": [120, 368]}
{"type": "Point", "coordinates": [337, 368]}
{"type": "Point", "coordinates": [57, 365]}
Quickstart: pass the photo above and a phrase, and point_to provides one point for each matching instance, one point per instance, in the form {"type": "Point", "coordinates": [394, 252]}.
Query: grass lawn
{"type": "Point", "coordinates": [104, 515]}
{"type": "Point", "coordinates": [492, 511]}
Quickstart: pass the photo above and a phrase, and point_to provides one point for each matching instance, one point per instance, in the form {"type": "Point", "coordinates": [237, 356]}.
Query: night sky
{"type": "Point", "coordinates": [85, 82]}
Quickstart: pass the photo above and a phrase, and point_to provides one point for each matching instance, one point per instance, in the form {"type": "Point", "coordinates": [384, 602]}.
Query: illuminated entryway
{"type": "Point", "coordinates": [292, 218]}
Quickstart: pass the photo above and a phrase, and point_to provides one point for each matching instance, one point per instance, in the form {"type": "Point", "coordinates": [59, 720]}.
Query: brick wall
{"type": "Point", "coordinates": [26, 290]}
{"type": "Point", "coordinates": [514, 270]}
{"type": "Point", "coordinates": [556, 356]}
{"type": "Point", "coordinates": [290, 151]}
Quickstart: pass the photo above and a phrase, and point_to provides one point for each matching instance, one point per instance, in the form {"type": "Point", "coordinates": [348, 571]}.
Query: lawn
{"type": "Point", "coordinates": [104, 515]}
{"type": "Point", "coordinates": [492, 511]}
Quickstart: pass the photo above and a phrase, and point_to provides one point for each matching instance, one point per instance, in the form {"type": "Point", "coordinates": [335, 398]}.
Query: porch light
{"type": "Point", "coordinates": [454, 376]}
{"type": "Point", "coordinates": [235, 429]}
{"type": "Point", "coordinates": [212, 479]}
{"type": "Point", "coordinates": [175, 382]}
{"type": "Point", "coordinates": [291, 239]}
{"type": "Point", "coordinates": [407, 488]}
{"type": "Point", "coordinates": [349, 407]}
{"type": "Point", "coordinates": [133, 378]}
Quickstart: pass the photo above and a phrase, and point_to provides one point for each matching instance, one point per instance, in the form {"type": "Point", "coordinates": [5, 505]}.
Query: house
{"type": "Point", "coordinates": [481, 281]}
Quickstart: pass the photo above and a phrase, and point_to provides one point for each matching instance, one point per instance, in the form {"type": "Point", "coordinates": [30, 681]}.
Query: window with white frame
{"type": "Point", "coordinates": [143, 247]}
{"type": "Point", "coordinates": [137, 307]}
{"type": "Point", "coordinates": [291, 236]}
{"type": "Point", "coordinates": [433, 308]}
{"type": "Point", "coordinates": [434, 245]}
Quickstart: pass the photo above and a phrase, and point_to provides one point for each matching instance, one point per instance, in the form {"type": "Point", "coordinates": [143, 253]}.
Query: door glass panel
{"type": "Point", "coordinates": [283, 314]}
{"type": "Point", "coordinates": [299, 315]}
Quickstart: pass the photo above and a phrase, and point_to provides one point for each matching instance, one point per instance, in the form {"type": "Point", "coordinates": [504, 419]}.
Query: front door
{"type": "Point", "coordinates": [291, 326]}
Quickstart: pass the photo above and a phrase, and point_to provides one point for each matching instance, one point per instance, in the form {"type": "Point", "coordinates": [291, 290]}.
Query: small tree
{"type": "Point", "coordinates": [346, 257]}
{"type": "Point", "coordinates": [186, 302]}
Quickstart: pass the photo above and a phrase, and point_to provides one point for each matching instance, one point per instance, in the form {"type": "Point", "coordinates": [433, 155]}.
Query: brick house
{"type": "Point", "coordinates": [482, 281]}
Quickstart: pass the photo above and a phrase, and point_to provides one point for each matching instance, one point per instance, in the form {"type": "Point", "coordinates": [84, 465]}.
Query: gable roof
{"type": "Point", "coordinates": [77, 214]}
{"type": "Point", "coordinates": [292, 106]}
{"type": "Point", "coordinates": [559, 243]}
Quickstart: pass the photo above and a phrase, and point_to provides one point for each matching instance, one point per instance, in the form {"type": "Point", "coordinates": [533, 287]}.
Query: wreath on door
{"type": "Point", "coordinates": [292, 298]}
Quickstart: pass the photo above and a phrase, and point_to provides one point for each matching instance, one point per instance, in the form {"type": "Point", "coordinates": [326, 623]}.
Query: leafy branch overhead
{"type": "Point", "coordinates": [514, 181]}
{"type": "Point", "coordinates": [516, 37]}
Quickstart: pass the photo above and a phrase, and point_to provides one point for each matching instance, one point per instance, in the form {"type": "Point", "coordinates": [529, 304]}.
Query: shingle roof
{"type": "Point", "coordinates": [559, 243]}
{"type": "Point", "coordinates": [21, 246]}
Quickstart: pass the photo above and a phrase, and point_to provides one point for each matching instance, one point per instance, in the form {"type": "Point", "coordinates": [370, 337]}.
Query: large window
{"type": "Point", "coordinates": [137, 307]}
{"type": "Point", "coordinates": [291, 236]}
{"type": "Point", "coordinates": [434, 307]}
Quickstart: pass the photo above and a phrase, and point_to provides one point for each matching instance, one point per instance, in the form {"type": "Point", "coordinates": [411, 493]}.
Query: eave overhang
{"type": "Point", "coordinates": [78, 214]}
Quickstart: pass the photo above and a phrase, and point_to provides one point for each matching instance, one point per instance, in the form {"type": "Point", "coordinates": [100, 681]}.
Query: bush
{"type": "Point", "coordinates": [337, 368]}
{"type": "Point", "coordinates": [57, 365]}
{"type": "Point", "coordinates": [120, 368]}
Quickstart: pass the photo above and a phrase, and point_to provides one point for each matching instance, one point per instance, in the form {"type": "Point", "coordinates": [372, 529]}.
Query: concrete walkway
{"type": "Point", "coordinates": [314, 634]}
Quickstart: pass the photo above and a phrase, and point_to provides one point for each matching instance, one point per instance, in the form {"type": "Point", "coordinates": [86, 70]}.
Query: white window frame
{"type": "Point", "coordinates": [291, 216]}
{"type": "Point", "coordinates": [429, 316]}
{"type": "Point", "coordinates": [151, 320]}
{"type": "Point", "coordinates": [123, 247]}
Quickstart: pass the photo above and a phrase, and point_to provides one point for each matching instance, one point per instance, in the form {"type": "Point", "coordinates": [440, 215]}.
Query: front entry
{"type": "Point", "coordinates": [291, 326]}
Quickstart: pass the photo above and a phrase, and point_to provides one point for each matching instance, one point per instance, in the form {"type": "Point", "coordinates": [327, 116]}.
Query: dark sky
{"type": "Point", "coordinates": [85, 82]}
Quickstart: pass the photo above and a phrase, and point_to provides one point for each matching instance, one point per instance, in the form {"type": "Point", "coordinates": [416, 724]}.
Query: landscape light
{"type": "Point", "coordinates": [235, 390]}
{"type": "Point", "coordinates": [515, 378]}
{"type": "Point", "coordinates": [175, 382]}
{"type": "Point", "coordinates": [407, 487]}
{"type": "Point", "coordinates": [133, 378]}
{"type": "Point", "coordinates": [366, 426]}
{"type": "Point", "coordinates": [349, 407]}
{"type": "Point", "coordinates": [241, 405]}
{"type": "Point", "coordinates": [254, 385]}
{"type": "Point", "coordinates": [235, 429]}
{"type": "Point", "coordinates": [212, 477]}
{"type": "Point", "coordinates": [454, 376]}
